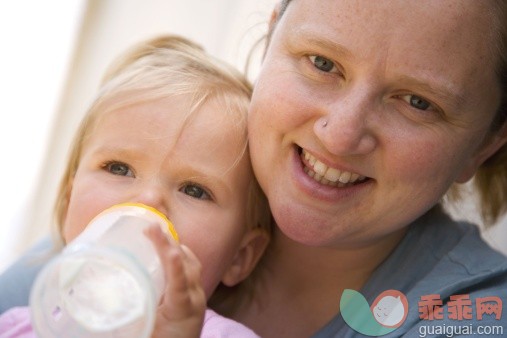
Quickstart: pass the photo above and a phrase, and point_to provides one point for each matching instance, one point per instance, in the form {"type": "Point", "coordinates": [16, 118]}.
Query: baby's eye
{"type": "Point", "coordinates": [120, 169]}
{"type": "Point", "coordinates": [195, 191]}
{"type": "Point", "coordinates": [322, 63]}
{"type": "Point", "coordinates": [417, 102]}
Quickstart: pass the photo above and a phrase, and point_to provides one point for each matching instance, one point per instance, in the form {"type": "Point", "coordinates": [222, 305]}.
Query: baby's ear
{"type": "Point", "coordinates": [250, 251]}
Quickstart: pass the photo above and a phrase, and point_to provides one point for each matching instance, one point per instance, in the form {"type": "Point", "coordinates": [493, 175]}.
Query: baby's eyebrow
{"type": "Point", "coordinates": [213, 182]}
{"type": "Point", "coordinates": [106, 149]}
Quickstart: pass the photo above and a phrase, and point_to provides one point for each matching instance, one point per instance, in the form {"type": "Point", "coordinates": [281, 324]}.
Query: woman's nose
{"type": "Point", "coordinates": [345, 127]}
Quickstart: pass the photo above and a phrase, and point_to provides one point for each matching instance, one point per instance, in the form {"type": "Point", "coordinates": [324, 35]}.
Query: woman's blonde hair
{"type": "Point", "coordinates": [159, 68]}
{"type": "Point", "coordinates": [490, 180]}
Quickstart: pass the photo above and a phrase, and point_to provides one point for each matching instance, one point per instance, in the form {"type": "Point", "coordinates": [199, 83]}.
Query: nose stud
{"type": "Point", "coordinates": [324, 124]}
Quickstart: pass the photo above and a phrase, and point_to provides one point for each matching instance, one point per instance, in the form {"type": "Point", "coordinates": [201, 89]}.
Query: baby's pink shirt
{"type": "Point", "coordinates": [16, 323]}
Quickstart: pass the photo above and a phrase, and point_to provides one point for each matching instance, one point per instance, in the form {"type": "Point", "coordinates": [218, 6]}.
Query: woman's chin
{"type": "Point", "coordinates": [304, 228]}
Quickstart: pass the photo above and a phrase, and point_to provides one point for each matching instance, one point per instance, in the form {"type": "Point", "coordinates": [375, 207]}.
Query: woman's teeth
{"type": "Point", "coordinates": [327, 175]}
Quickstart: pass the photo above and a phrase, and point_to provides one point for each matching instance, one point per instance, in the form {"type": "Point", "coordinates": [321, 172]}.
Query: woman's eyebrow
{"type": "Point", "coordinates": [444, 92]}
{"type": "Point", "coordinates": [303, 35]}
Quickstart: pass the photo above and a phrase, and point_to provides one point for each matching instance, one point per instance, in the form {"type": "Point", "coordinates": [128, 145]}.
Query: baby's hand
{"type": "Point", "coordinates": [181, 310]}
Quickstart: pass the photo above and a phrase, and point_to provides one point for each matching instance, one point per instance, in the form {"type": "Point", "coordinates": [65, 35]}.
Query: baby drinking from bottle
{"type": "Point", "coordinates": [168, 132]}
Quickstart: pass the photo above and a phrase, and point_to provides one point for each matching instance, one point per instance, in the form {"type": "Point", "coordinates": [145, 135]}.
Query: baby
{"type": "Point", "coordinates": [168, 129]}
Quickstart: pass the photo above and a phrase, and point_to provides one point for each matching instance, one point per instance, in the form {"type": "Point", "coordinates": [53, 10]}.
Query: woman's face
{"type": "Point", "coordinates": [384, 103]}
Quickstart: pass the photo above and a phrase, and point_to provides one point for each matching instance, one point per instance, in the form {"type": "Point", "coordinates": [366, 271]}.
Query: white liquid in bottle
{"type": "Point", "coordinates": [107, 282]}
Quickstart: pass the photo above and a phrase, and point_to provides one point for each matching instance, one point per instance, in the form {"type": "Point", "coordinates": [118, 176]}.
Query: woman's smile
{"type": "Point", "coordinates": [321, 181]}
{"type": "Point", "coordinates": [326, 175]}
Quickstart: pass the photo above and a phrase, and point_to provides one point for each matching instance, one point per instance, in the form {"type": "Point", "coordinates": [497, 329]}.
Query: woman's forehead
{"type": "Point", "coordinates": [444, 43]}
{"type": "Point", "coordinates": [433, 19]}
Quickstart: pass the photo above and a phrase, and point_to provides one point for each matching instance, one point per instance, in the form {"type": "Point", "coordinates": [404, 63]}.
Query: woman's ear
{"type": "Point", "coordinates": [489, 148]}
{"type": "Point", "coordinates": [274, 16]}
{"type": "Point", "coordinates": [252, 247]}
{"type": "Point", "coordinates": [272, 23]}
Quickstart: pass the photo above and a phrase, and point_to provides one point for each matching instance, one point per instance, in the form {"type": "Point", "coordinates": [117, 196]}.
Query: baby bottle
{"type": "Point", "coordinates": [107, 282]}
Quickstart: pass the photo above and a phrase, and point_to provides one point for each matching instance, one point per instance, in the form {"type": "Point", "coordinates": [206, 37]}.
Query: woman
{"type": "Point", "coordinates": [364, 115]}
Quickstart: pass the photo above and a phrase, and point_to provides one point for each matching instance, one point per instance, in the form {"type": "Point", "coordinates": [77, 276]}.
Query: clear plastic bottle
{"type": "Point", "coordinates": [107, 282]}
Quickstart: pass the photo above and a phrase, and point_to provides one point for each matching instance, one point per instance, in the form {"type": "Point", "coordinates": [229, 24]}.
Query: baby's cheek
{"type": "Point", "coordinates": [211, 276]}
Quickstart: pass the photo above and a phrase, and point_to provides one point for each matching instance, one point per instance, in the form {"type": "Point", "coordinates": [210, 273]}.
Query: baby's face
{"type": "Point", "coordinates": [193, 170]}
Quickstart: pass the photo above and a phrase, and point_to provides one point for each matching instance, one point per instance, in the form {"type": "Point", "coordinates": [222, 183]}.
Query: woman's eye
{"type": "Point", "coordinates": [195, 191]}
{"type": "Point", "coordinates": [417, 102]}
{"type": "Point", "coordinates": [120, 169]}
{"type": "Point", "coordinates": [322, 63]}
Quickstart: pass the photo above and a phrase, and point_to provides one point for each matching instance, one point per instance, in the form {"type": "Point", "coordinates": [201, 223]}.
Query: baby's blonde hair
{"type": "Point", "coordinates": [159, 68]}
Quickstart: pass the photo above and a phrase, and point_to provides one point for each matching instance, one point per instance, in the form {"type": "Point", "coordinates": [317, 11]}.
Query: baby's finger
{"type": "Point", "coordinates": [193, 270]}
{"type": "Point", "coordinates": [182, 269]}
{"type": "Point", "coordinates": [159, 238]}
{"type": "Point", "coordinates": [184, 301]}
{"type": "Point", "coordinates": [176, 301]}
{"type": "Point", "coordinates": [193, 267]}
{"type": "Point", "coordinates": [169, 252]}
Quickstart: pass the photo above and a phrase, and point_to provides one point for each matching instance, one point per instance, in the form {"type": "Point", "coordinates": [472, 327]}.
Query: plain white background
{"type": "Point", "coordinates": [53, 55]}
{"type": "Point", "coordinates": [37, 39]}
